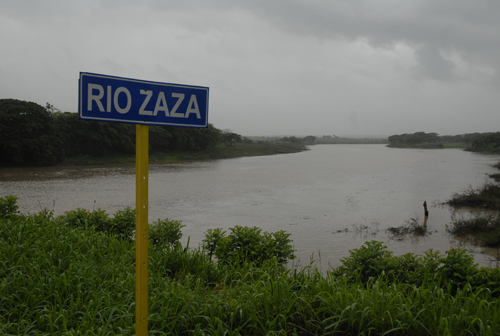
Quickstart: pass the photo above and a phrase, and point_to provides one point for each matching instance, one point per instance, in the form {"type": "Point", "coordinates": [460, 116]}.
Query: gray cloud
{"type": "Point", "coordinates": [431, 64]}
{"type": "Point", "coordinates": [273, 67]}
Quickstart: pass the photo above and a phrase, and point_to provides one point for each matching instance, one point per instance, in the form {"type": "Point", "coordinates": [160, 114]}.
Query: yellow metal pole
{"type": "Point", "coordinates": [141, 229]}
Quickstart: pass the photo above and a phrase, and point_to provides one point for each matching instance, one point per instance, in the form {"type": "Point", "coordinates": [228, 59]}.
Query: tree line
{"type": "Point", "coordinates": [32, 135]}
{"type": "Point", "coordinates": [328, 139]}
{"type": "Point", "coordinates": [489, 141]}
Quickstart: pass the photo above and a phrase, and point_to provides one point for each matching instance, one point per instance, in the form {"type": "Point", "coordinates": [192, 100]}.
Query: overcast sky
{"type": "Point", "coordinates": [274, 67]}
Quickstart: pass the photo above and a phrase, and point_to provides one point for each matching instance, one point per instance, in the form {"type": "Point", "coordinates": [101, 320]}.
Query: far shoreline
{"type": "Point", "coordinates": [220, 152]}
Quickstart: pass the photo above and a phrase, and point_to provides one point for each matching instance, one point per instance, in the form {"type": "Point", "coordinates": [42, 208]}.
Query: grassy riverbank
{"type": "Point", "coordinates": [430, 145]}
{"type": "Point", "coordinates": [221, 151]}
{"type": "Point", "coordinates": [482, 229]}
{"type": "Point", "coordinates": [60, 279]}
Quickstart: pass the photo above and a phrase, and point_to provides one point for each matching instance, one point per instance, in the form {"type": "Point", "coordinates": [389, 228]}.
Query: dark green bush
{"type": "Point", "coordinates": [8, 206]}
{"type": "Point", "coordinates": [56, 279]}
{"type": "Point", "coordinates": [458, 267]}
{"type": "Point", "coordinates": [28, 136]}
{"type": "Point", "coordinates": [249, 244]}
{"type": "Point", "coordinates": [484, 197]}
{"type": "Point", "coordinates": [83, 218]}
{"type": "Point", "coordinates": [484, 229]}
{"type": "Point", "coordinates": [370, 260]}
{"type": "Point", "coordinates": [165, 233]}
{"type": "Point", "coordinates": [123, 222]}
{"type": "Point", "coordinates": [212, 239]}
{"type": "Point", "coordinates": [488, 278]}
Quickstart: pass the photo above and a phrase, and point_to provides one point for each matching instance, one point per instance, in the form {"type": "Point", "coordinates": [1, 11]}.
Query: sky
{"type": "Point", "coordinates": [274, 67]}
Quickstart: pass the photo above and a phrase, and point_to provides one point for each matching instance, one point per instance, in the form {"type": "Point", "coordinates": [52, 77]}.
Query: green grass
{"type": "Point", "coordinates": [485, 197]}
{"type": "Point", "coordinates": [56, 278]}
{"type": "Point", "coordinates": [461, 145]}
{"type": "Point", "coordinates": [483, 229]}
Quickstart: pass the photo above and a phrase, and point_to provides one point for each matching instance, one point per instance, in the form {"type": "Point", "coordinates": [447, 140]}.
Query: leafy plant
{"type": "Point", "coordinates": [165, 233]}
{"type": "Point", "coordinates": [485, 229]}
{"type": "Point", "coordinates": [458, 267]}
{"type": "Point", "coordinates": [370, 260]}
{"type": "Point", "coordinates": [123, 222]}
{"type": "Point", "coordinates": [484, 197]}
{"type": "Point", "coordinates": [83, 218]}
{"type": "Point", "coordinates": [212, 239]}
{"type": "Point", "coordinates": [56, 279]}
{"type": "Point", "coordinates": [8, 205]}
{"type": "Point", "coordinates": [250, 244]}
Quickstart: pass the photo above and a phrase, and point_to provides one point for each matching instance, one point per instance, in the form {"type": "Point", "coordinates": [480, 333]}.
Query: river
{"type": "Point", "coordinates": [331, 198]}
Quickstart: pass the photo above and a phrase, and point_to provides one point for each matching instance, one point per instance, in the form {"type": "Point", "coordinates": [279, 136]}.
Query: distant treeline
{"type": "Point", "coordinates": [482, 142]}
{"type": "Point", "coordinates": [32, 135]}
{"type": "Point", "coordinates": [328, 139]}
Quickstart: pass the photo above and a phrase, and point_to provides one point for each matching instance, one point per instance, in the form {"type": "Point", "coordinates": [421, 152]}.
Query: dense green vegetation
{"type": "Point", "coordinates": [74, 275]}
{"type": "Point", "coordinates": [327, 139]}
{"type": "Point", "coordinates": [248, 244]}
{"type": "Point", "coordinates": [32, 135]}
{"type": "Point", "coordinates": [477, 142]}
{"type": "Point", "coordinates": [485, 197]}
{"type": "Point", "coordinates": [486, 142]}
{"type": "Point", "coordinates": [483, 229]}
{"type": "Point", "coordinates": [427, 140]}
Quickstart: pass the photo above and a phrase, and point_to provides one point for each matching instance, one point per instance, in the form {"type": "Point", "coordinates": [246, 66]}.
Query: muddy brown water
{"type": "Point", "coordinates": [331, 198]}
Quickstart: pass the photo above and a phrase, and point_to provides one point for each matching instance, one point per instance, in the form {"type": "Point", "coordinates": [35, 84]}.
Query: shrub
{"type": "Point", "coordinates": [458, 267]}
{"type": "Point", "coordinates": [123, 222]}
{"type": "Point", "coordinates": [409, 267]}
{"type": "Point", "coordinates": [165, 233]}
{"type": "Point", "coordinates": [83, 218]}
{"type": "Point", "coordinates": [370, 260]}
{"type": "Point", "coordinates": [249, 244]}
{"type": "Point", "coordinates": [485, 229]}
{"type": "Point", "coordinates": [212, 239]}
{"type": "Point", "coordinates": [485, 197]}
{"type": "Point", "coordinates": [489, 278]}
{"type": "Point", "coordinates": [8, 206]}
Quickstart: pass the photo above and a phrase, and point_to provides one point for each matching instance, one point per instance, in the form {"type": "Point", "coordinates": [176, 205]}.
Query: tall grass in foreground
{"type": "Point", "coordinates": [59, 279]}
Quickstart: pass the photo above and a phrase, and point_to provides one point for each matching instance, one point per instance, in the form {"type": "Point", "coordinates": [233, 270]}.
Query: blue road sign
{"type": "Point", "coordinates": [109, 98]}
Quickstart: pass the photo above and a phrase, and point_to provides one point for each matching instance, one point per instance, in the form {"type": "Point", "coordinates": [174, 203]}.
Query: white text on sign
{"type": "Point", "coordinates": [97, 94]}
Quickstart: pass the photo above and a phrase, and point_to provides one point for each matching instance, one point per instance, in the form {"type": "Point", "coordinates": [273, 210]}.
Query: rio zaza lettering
{"type": "Point", "coordinates": [108, 98]}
